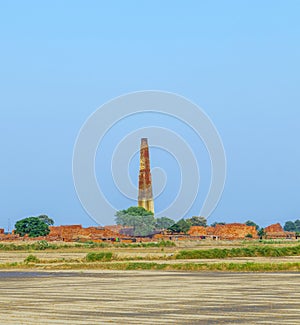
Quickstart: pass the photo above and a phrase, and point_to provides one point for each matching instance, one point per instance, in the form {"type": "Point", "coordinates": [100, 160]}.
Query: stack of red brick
{"type": "Point", "coordinates": [275, 231]}
{"type": "Point", "coordinates": [77, 233]}
{"type": "Point", "coordinates": [68, 233]}
{"type": "Point", "coordinates": [229, 231]}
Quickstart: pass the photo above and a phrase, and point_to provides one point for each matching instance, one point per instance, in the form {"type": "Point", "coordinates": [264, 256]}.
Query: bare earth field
{"type": "Point", "coordinates": [60, 286]}
{"type": "Point", "coordinates": [157, 254]}
{"type": "Point", "coordinates": [144, 297]}
{"type": "Point", "coordinates": [9, 257]}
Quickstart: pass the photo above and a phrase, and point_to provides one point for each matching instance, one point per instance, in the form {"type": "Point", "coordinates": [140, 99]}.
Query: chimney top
{"type": "Point", "coordinates": [144, 141]}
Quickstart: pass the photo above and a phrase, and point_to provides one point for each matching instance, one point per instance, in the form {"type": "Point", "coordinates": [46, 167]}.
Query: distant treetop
{"type": "Point", "coordinates": [197, 221]}
{"type": "Point", "coordinates": [136, 211]}
{"type": "Point", "coordinates": [48, 221]}
{"type": "Point", "coordinates": [252, 223]}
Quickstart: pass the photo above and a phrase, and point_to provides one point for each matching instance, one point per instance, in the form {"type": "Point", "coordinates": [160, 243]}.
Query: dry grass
{"type": "Point", "coordinates": [159, 256]}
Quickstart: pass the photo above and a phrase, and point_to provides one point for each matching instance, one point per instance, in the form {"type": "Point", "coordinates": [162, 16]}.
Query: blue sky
{"type": "Point", "coordinates": [238, 60]}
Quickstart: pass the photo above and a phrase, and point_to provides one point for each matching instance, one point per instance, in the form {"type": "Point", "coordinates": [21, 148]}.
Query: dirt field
{"type": "Point", "coordinates": [112, 297]}
{"type": "Point", "coordinates": [73, 252]}
{"type": "Point", "coordinates": [9, 257]}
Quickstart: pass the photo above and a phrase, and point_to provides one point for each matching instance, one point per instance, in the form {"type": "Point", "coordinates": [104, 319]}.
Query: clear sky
{"type": "Point", "coordinates": [238, 60]}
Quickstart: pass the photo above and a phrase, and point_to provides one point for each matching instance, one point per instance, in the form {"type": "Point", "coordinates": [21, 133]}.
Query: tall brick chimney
{"type": "Point", "coordinates": [145, 198]}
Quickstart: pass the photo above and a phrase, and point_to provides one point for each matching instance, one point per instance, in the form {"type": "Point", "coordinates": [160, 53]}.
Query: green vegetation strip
{"type": "Point", "coordinates": [195, 267]}
{"type": "Point", "coordinates": [264, 251]}
{"type": "Point", "coordinates": [43, 245]}
{"type": "Point", "coordinates": [109, 261]}
{"type": "Point", "coordinates": [234, 267]}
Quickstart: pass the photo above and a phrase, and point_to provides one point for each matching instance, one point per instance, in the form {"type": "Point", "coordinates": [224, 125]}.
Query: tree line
{"type": "Point", "coordinates": [292, 226]}
{"type": "Point", "coordinates": [142, 223]}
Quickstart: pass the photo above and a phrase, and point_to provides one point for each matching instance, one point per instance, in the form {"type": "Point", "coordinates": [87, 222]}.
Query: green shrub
{"type": "Point", "coordinates": [40, 245]}
{"type": "Point", "coordinates": [166, 243]}
{"type": "Point", "coordinates": [31, 259]}
{"type": "Point", "coordinates": [101, 256]}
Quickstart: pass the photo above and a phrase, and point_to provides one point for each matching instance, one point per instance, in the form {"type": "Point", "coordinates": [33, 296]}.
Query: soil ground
{"type": "Point", "coordinates": [88, 296]}
{"type": "Point", "coordinates": [143, 297]}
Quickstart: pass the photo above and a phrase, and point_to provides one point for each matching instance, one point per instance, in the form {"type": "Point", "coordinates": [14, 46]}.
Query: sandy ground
{"type": "Point", "coordinates": [143, 297]}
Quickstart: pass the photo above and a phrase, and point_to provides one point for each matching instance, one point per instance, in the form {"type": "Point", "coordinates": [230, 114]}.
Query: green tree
{"type": "Point", "coordinates": [32, 226]}
{"type": "Point", "coordinates": [197, 221]}
{"type": "Point", "coordinates": [297, 224]}
{"type": "Point", "coordinates": [144, 226]}
{"type": "Point", "coordinates": [261, 233]}
{"type": "Point", "coordinates": [164, 223]}
{"type": "Point", "coordinates": [142, 221]}
{"type": "Point", "coordinates": [290, 226]}
{"type": "Point", "coordinates": [252, 223]}
{"type": "Point", "coordinates": [135, 211]}
{"type": "Point", "coordinates": [174, 228]}
{"type": "Point", "coordinates": [48, 221]}
{"type": "Point", "coordinates": [184, 225]}
{"type": "Point", "coordinates": [218, 223]}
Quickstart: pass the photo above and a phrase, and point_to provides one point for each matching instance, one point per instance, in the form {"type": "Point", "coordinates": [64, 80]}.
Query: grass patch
{"type": "Point", "coordinates": [162, 243]}
{"type": "Point", "coordinates": [276, 241]}
{"type": "Point", "coordinates": [101, 256]}
{"type": "Point", "coordinates": [31, 259]}
{"type": "Point", "coordinates": [45, 245]}
{"type": "Point", "coordinates": [191, 267]}
{"type": "Point", "coordinates": [10, 265]}
{"type": "Point", "coordinates": [32, 246]}
{"type": "Point", "coordinates": [263, 251]}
